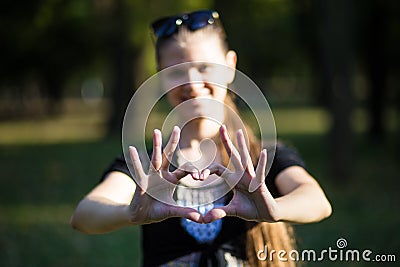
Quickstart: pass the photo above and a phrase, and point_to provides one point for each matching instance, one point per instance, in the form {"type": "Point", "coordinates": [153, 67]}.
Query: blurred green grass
{"type": "Point", "coordinates": [40, 186]}
{"type": "Point", "coordinates": [44, 176]}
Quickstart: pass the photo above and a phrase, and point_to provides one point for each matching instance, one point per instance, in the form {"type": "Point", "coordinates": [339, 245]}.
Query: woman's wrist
{"type": "Point", "coordinates": [127, 215]}
{"type": "Point", "coordinates": [277, 212]}
{"type": "Point", "coordinates": [268, 208]}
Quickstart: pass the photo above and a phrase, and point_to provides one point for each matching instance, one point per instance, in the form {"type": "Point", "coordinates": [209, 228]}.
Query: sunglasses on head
{"type": "Point", "coordinates": [165, 27]}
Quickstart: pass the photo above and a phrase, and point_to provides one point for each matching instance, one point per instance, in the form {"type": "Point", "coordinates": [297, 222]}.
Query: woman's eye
{"type": "Point", "coordinates": [176, 73]}
{"type": "Point", "coordinates": [203, 68]}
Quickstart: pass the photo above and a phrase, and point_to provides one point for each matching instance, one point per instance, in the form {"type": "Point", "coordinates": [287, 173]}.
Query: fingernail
{"type": "Point", "coordinates": [176, 128]}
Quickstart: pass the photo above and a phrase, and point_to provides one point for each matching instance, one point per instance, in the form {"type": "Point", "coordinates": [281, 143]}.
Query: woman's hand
{"type": "Point", "coordinates": [152, 200]}
{"type": "Point", "coordinates": [251, 200]}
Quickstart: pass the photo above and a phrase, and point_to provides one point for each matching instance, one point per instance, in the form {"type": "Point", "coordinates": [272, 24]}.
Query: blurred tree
{"type": "Point", "coordinates": [336, 32]}
{"type": "Point", "coordinates": [379, 39]}
{"type": "Point", "coordinates": [44, 42]}
{"type": "Point", "coordinates": [47, 42]}
{"type": "Point", "coordinates": [307, 22]}
{"type": "Point", "coordinates": [263, 34]}
{"type": "Point", "coordinates": [122, 52]}
{"type": "Point", "coordinates": [376, 65]}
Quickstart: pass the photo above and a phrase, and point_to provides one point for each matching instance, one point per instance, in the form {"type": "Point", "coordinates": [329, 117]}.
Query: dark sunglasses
{"type": "Point", "coordinates": [165, 27]}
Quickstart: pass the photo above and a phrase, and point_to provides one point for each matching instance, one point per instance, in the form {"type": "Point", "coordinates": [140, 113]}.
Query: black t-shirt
{"type": "Point", "coordinates": [167, 240]}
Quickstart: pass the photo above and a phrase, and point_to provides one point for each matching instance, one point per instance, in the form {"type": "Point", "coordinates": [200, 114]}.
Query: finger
{"type": "Point", "coordinates": [260, 172]}
{"type": "Point", "coordinates": [188, 213]}
{"type": "Point", "coordinates": [204, 174]}
{"type": "Point", "coordinates": [195, 173]}
{"type": "Point", "coordinates": [137, 164]}
{"type": "Point", "coordinates": [156, 158]}
{"type": "Point", "coordinates": [179, 174]}
{"type": "Point", "coordinates": [218, 169]}
{"type": "Point", "coordinates": [244, 153]}
{"type": "Point", "coordinates": [185, 169]}
{"type": "Point", "coordinates": [230, 148]}
{"type": "Point", "coordinates": [170, 148]}
{"type": "Point", "coordinates": [225, 173]}
{"type": "Point", "coordinates": [189, 168]}
{"type": "Point", "coordinates": [216, 214]}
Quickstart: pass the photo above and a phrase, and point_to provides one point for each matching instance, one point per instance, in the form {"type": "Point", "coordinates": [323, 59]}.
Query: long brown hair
{"type": "Point", "coordinates": [276, 236]}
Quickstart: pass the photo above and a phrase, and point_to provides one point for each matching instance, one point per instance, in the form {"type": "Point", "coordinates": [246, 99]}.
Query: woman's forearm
{"type": "Point", "coordinates": [97, 215]}
{"type": "Point", "coordinates": [305, 204]}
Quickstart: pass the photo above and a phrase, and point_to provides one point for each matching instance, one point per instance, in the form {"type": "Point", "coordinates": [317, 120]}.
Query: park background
{"type": "Point", "coordinates": [330, 70]}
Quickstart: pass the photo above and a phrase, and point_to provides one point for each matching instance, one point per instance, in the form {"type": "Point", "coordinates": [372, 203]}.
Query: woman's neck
{"type": "Point", "coordinates": [198, 143]}
{"type": "Point", "coordinates": [196, 131]}
{"type": "Point", "coordinates": [199, 146]}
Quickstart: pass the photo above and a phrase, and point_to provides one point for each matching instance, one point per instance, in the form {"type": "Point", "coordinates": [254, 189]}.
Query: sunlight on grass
{"type": "Point", "coordinates": [78, 122]}
{"type": "Point", "coordinates": [27, 214]}
{"type": "Point", "coordinates": [301, 121]}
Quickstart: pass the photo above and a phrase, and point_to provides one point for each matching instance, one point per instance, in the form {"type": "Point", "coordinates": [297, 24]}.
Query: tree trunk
{"type": "Point", "coordinates": [337, 68]}
{"type": "Point", "coordinates": [377, 70]}
{"type": "Point", "coordinates": [122, 67]}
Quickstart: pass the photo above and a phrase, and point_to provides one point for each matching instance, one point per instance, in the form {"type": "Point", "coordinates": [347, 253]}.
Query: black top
{"type": "Point", "coordinates": [168, 240]}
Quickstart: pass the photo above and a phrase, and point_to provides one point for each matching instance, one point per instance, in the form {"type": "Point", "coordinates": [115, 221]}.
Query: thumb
{"type": "Point", "coordinates": [185, 212]}
{"type": "Point", "coordinates": [216, 214]}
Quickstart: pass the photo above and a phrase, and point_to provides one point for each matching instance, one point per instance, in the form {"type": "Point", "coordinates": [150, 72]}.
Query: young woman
{"type": "Point", "coordinates": [230, 230]}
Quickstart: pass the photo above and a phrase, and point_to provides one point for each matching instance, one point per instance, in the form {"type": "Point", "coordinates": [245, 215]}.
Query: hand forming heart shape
{"type": "Point", "coordinates": [251, 198]}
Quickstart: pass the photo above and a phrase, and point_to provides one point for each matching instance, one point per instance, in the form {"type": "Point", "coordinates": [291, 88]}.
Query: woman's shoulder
{"type": "Point", "coordinates": [284, 156]}
{"type": "Point", "coordinates": [118, 164]}
{"type": "Point", "coordinates": [287, 153]}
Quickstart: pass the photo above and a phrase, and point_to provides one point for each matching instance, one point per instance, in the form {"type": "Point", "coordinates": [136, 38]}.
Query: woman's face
{"type": "Point", "coordinates": [202, 84]}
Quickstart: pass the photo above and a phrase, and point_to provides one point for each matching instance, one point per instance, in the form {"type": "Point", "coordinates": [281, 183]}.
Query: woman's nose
{"type": "Point", "coordinates": [195, 82]}
{"type": "Point", "coordinates": [194, 75]}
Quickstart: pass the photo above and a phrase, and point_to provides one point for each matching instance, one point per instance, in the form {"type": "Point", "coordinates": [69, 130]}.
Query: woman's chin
{"type": "Point", "coordinates": [208, 125]}
{"type": "Point", "coordinates": [202, 114]}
